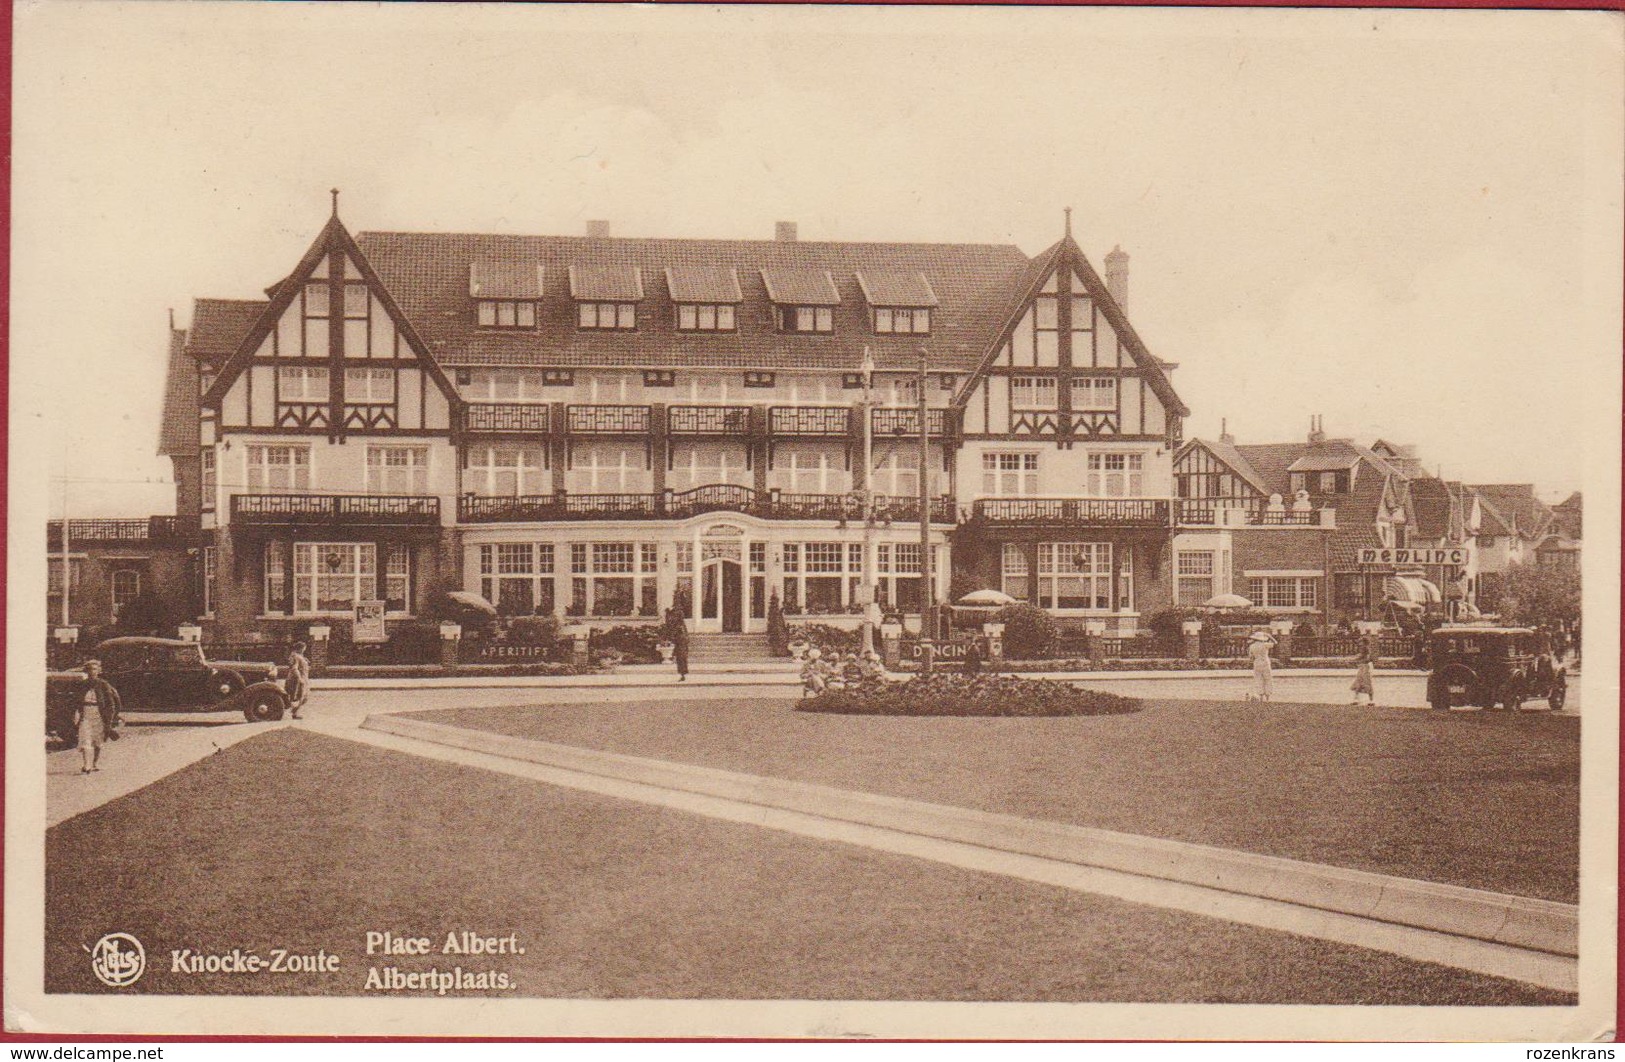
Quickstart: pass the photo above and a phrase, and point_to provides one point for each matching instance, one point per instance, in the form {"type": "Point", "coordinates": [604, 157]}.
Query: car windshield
{"type": "Point", "coordinates": [185, 656]}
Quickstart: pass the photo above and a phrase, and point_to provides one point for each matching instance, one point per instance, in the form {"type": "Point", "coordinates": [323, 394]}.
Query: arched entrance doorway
{"type": "Point", "coordinates": [722, 603]}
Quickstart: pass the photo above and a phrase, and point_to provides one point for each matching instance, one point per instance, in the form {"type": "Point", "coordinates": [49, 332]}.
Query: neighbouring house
{"type": "Point", "coordinates": [1514, 523]}
{"type": "Point", "coordinates": [1561, 546]}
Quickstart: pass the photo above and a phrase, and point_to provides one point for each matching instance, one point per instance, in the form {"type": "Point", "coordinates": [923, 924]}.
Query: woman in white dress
{"type": "Point", "coordinates": [1258, 647]}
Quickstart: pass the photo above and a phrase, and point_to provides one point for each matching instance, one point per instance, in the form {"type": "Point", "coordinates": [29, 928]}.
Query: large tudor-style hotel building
{"type": "Point", "coordinates": [600, 427]}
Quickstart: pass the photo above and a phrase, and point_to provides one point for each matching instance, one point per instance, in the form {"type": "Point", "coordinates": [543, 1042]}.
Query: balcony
{"type": "Point", "coordinates": [680, 505]}
{"type": "Point", "coordinates": [1250, 512]}
{"type": "Point", "coordinates": [607, 420]}
{"type": "Point", "coordinates": [1074, 512]}
{"type": "Point", "coordinates": [528, 419]}
{"type": "Point", "coordinates": [938, 422]}
{"type": "Point", "coordinates": [708, 420]}
{"type": "Point", "coordinates": [813, 421]}
{"type": "Point", "coordinates": [369, 509]}
{"type": "Point", "coordinates": [137, 529]}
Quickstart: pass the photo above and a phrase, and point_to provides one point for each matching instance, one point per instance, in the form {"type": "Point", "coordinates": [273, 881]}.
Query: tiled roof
{"type": "Point", "coordinates": [698, 284]}
{"type": "Point", "coordinates": [612, 283]}
{"type": "Point", "coordinates": [219, 325]}
{"type": "Point", "coordinates": [1517, 505]}
{"type": "Point", "coordinates": [1333, 455]}
{"type": "Point", "coordinates": [504, 280]}
{"type": "Point", "coordinates": [801, 287]}
{"type": "Point", "coordinates": [178, 428]}
{"type": "Point", "coordinates": [1431, 504]}
{"type": "Point", "coordinates": [891, 287]}
{"type": "Point", "coordinates": [428, 275]}
{"type": "Point", "coordinates": [1567, 516]}
{"type": "Point", "coordinates": [1491, 520]}
{"type": "Point", "coordinates": [1356, 510]}
{"type": "Point", "coordinates": [1232, 457]}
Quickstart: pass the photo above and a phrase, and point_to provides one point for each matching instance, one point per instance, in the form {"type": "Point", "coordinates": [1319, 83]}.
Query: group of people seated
{"type": "Point", "coordinates": [838, 670]}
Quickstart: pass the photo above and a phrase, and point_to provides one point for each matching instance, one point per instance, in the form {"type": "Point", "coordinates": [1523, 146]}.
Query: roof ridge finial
{"type": "Point", "coordinates": [1068, 212]}
{"type": "Point", "coordinates": [335, 194]}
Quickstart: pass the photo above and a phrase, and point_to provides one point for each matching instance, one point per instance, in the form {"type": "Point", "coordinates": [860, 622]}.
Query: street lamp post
{"type": "Point", "coordinates": [867, 629]}
{"type": "Point", "coordinates": [928, 594]}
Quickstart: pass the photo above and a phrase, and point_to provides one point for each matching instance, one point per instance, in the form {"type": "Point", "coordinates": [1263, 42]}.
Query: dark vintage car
{"type": "Point", "coordinates": [165, 675]}
{"type": "Point", "coordinates": [1489, 666]}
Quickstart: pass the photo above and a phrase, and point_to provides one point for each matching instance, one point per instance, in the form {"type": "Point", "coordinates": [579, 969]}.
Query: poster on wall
{"type": "Point", "coordinates": [369, 622]}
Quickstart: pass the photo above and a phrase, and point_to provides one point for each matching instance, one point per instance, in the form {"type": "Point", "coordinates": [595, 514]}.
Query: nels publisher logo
{"type": "Point", "coordinates": [118, 960]}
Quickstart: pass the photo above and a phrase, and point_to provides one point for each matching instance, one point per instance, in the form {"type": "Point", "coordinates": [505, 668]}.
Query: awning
{"type": "Point", "coordinates": [1411, 589]}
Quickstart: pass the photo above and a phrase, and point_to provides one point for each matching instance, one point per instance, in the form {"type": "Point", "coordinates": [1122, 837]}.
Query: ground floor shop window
{"type": "Point", "coordinates": [613, 579]}
{"type": "Point", "coordinates": [1075, 575]}
{"type": "Point", "coordinates": [821, 578]}
{"type": "Point", "coordinates": [1284, 591]}
{"type": "Point", "coordinates": [517, 577]}
{"type": "Point", "coordinates": [334, 577]}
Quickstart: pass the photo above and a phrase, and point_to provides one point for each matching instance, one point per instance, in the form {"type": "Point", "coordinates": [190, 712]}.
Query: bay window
{"type": "Point", "coordinates": [517, 577]}
{"type": "Point", "coordinates": [278, 469]}
{"type": "Point", "coordinates": [334, 577]}
{"type": "Point", "coordinates": [1194, 577]}
{"type": "Point", "coordinates": [506, 471]}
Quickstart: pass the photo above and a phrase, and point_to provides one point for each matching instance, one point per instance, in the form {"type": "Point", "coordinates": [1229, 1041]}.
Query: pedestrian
{"type": "Point", "coordinates": [96, 716]}
{"type": "Point", "coordinates": [676, 632]}
{"type": "Point", "coordinates": [1258, 647]}
{"type": "Point", "coordinates": [813, 674]}
{"type": "Point", "coordinates": [297, 682]}
{"type": "Point", "coordinates": [1364, 664]}
{"type": "Point", "coordinates": [973, 657]}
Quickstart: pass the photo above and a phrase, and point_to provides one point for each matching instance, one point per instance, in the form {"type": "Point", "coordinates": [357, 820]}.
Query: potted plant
{"type": "Point", "coordinates": [798, 647]}
{"type": "Point", "coordinates": [665, 647]}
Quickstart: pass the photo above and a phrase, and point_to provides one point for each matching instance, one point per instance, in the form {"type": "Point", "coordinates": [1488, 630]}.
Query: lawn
{"type": "Point", "coordinates": [1483, 799]}
{"type": "Point", "coordinates": [295, 840]}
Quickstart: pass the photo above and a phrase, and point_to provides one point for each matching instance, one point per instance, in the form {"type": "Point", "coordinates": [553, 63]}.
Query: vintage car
{"type": "Point", "coordinates": [1486, 666]}
{"type": "Point", "coordinates": [165, 675]}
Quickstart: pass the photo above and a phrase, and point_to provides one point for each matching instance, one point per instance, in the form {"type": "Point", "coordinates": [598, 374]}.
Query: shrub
{"type": "Point", "coordinates": [826, 639]}
{"type": "Point", "coordinates": [533, 630]}
{"type": "Point", "coordinates": [636, 643]}
{"type": "Point", "coordinates": [949, 693]}
{"type": "Point", "coordinates": [1029, 632]}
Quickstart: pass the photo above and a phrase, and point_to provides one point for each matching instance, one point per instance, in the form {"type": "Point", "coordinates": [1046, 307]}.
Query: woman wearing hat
{"type": "Point", "coordinates": [1258, 647]}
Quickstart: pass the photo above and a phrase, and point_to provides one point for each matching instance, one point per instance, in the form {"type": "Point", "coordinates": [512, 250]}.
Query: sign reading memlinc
{"type": "Point", "coordinates": [1385, 558]}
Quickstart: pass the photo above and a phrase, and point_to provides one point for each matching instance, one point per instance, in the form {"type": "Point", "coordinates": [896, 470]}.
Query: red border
{"type": "Point", "coordinates": [5, 376]}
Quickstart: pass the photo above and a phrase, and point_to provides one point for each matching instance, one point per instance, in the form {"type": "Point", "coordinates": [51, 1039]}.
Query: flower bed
{"type": "Point", "coordinates": [945, 693]}
{"type": "Point", "coordinates": [1166, 663]}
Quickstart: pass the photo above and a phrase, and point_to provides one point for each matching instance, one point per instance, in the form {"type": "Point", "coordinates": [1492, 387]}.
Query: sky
{"type": "Point", "coordinates": [1405, 222]}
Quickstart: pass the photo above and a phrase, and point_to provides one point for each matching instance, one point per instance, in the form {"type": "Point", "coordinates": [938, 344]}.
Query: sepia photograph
{"type": "Point", "coordinates": [813, 522]}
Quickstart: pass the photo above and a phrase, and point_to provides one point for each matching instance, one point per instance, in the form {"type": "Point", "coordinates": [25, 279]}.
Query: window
{"type": "Point", "coordinates": [607, 468]}
{"type": "Point", "coordinates": [1033, 392]}
{"type": "Point", "coordinates": [369, 386]}
{"type": "Point", "coordinates": [1010, 475]}
{"type": "Point", "coordinates": [897, 575]}
{"type": "Point", "coordinates": [517, 577]}
{"type": "Point", "coordinates": [278, 469]}
{"type": "Point", "coordinates": [1013, 571]}
{"type": "Point", "coordinates": [823, 578]}
{"type": "Point", "coordinates": [612, 315]}
{"type": "Point", "coordinates": [495, 313]}
{"type": "Point", "coordinates": [613, 579]}
{"type": "Point", "coordinates": [276, 577]}
{"type": "Point", "coordinates": [901, 392]}
{"type": "Point", "coordinates": [889, 320]}
{"type": "Point", "coordinates": [126, 588]}
{"type": "Point", "coordinates": [54, 575]}
{"type": "Point", "coordinates": [1284, 591]}
{"type": "Point", "coordinates": [759, 379]}
{"type": "Point", "coordinates": [611, 387]}
{"type": "Point", "coordinates": [333, 576]}
{"type": "Point", "coordinates": [207, 478]}
{"type": "Point", "coordinates": [1125, 580]}
{"type": "Point", "coordinates": [397, 470]}
{"type": "Point", "coordinates": [1046, 337]}
{"type": "Point", "coordinates": [808, 468]}
{"type": "Point", "coordinates": [209, 562]}
{"type": "Point", "coordinates": [897, 472]}
{"type": "Point", "coordinates": [1194, 576]}
{"type": "Point", "coordinates": [504, 385]}
{"type": "Point", "coordinates": [1115, 475]}
{"type": "Point", "coordinates": [558, 377]}
{"type": "Point", "coordinates": [302, 383]}
{"type": "Point", "coordinates": [806, 319]}
{"type": "Point", "coordinates": [698, 464]}
{"type": "Point", "coordinates": [1075, 575]}
{"type": "Point", "coordinates": [506, 471]}
{"type": "Point", "coordinates": [659, 378]}
{"type": "Point", "coordinates": [705, 317]}
{"type": "Point", "coordinates": [397, 579]}
{"type": "Point", "coordinates": [1094, 393]}
{"type": "Point", "coordinates": [1336, 482]}
{"type": "Point", "coordinates": [316, 299]}
{"type": "Point", "coordinates": [356, 300]}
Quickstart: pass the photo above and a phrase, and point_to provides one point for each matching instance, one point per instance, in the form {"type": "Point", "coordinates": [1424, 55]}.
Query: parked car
{"type": "Point", "coordinates": [166, 675]}
{"type": "Point", "coordinates": [1486, 666]}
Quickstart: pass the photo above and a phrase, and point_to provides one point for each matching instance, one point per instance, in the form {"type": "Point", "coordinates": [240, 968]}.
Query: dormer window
{"type": "Point", "coordinates": [505, 292]}
{"type": "Point", "coordinates": [622, 316]}
{"type": "Point", "coordinates": [894, 321]}
{"type": "Point", "coordinates": [705, 317]}
{"type": "Point", "coordinates": [1325, 482]}
{"type": "Point", "coordinates": [806, 319]}
{"type": "Point", "coordinates": [606, 297]}
{"type": "Point", "coordinates": [504, 313]}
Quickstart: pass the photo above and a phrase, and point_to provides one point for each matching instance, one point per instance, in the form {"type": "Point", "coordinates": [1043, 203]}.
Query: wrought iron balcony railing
{"type": "Point", "coordinates": [530, 419]}
{"type": "Point", "coordinates": [1249, 512]}
{"type": "Point", "coordinates": [135, 529]}
{"type": "Point", "coordinates": [679, 505]}
{"type": "Point", "coordinates": [907, 421]}
{"type": "Point", "coordinates": [708, 420]}
{"type": "Point", "coordinates": [809, 420]}
{"type": "Point", "coordinates": [607, 420]}
{"type": "Point", "coordinates": [335, 508]}
{"type": "Point", "coordinates": [1077, 512]}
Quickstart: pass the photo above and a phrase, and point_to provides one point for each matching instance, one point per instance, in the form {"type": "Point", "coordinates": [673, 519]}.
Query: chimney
{"type": "Point", "coordinates": [1117, 276]}
{"type": "Point", "coordinates": [598, 229]}
{"type": "Point", "coordinates": [784, 231]}
{"type": "Point", "coordinates": [1224, 432]}
{"type": "Point", "coordinates": [1317, 429]}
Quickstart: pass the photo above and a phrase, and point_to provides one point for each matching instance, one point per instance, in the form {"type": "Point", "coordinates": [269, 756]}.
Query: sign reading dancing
{"type": "Point", "coordinates": [1387, 558]}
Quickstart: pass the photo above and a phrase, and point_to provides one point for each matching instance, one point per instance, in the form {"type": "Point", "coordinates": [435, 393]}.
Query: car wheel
{"type": "Point", "coordinates": [266, 706]}
{"type": "Point", "coordinates": [1512, 696]}
{"type": "Point", "coordinates": [1558, 696]}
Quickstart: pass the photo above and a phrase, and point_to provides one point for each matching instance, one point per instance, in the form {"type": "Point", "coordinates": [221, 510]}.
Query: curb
{"type": "Point", "coordinates": [778, 678]}
{"type": "Point", "coordinates": [1514, 921]}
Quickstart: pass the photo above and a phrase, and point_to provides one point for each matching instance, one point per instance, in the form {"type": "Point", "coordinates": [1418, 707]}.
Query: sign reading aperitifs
{"type": "Point", "coordinates": [1456, 556]}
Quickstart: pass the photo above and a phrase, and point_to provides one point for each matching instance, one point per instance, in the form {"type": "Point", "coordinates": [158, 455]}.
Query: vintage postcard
{"type": "Point", "coordinates": [781, 521]}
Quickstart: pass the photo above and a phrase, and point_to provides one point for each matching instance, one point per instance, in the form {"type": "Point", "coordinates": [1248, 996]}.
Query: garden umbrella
{"type": "Point", "coordinates": [987, 597]}
{"type": "Point", "coordinates": [1223, 601]}
{"type": "Point", "coordinates": [472, 600]}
